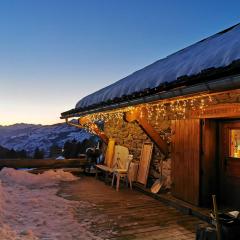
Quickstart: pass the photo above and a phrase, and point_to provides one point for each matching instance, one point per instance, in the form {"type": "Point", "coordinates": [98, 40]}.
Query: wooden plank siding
{"type": "Point", "coordinates": [186, 159]}
{"type": "Point", "coordinates": [209, 166]}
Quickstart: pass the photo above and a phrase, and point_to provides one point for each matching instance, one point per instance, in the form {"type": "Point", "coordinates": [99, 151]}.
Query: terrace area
{"type": "Point", "coordinates": [127, 214]}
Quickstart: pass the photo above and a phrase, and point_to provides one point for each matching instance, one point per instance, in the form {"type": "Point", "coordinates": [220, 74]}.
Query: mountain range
{"type": "Point", "coordinates": [28, 137]}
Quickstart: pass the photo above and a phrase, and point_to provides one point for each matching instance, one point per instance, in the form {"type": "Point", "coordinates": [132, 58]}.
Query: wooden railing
{"type": "Point", "coordinates": [42, 163]}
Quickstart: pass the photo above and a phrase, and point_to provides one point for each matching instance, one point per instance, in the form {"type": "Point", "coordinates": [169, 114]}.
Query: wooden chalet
{"type": "Point", "coordinates": [188, 105]}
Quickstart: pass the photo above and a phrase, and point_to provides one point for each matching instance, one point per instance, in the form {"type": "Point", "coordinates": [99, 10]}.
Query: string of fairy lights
{"type": "Point", "coordinates": [154, 112]}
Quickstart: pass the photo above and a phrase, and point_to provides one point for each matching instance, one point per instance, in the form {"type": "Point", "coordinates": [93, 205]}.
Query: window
{"type": "Point", "coordinates": [234, 142]}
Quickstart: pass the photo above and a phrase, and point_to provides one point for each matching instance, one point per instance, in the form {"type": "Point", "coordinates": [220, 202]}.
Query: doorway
{"type": "Point", "coordinates": [229, 164]}
{"type": "Point", "coordinates": [186, 160]}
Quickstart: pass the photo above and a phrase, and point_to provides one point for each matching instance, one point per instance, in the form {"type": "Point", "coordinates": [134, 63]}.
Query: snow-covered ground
{"type": "Point", "coordinates": [31, 210]}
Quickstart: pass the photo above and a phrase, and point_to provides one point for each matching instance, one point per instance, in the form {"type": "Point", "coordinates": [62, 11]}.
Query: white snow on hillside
{"type": "Point", "coordinates": [219, 50]}
{"type": "Point", "coordinates": [31, 210]}
{"type": "Point", "coordinates": [28, 137]}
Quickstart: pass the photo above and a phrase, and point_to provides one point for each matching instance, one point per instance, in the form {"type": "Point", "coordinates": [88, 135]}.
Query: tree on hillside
{"type": "Point", "coordinates": [38, 153]}
{"type": "Point", "coordinates": [22, 154]}
{"type": "Point", "coordinates": [79, 148]}
{"type": "Point", "coordinates": [67, 149]}
{"type": "Point", "coordinates": [12, 154]}
{"type": "Point", "coordinates": [55, 151]}
{"type": "Point", "coordinates": [72, 149]}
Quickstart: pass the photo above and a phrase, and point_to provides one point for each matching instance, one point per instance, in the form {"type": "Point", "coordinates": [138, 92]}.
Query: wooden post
{"type": "Point", "coordinates": [139, 115]}
{"type": "Point", "coordinates": [215, 210]}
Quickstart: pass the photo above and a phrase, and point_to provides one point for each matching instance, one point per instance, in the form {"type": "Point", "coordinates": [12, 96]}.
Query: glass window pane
{"type": "Point", "coordinates": [235, 143]}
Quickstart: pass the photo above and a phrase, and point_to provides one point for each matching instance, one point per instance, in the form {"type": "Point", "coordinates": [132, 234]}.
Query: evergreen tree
{"type": "Point", "coordinates": [22, 154]}
{"type": "Point", "coordinates": [12, 154]}
{"type": "Point", "coordinates": [55, 151]}
{"type": "Point", "coordinates": [67, 148]}
{"type": "Point", "coordinates": [74, 152]}
{"type": "Point", "coordinates": [79, 148]}
{"type": "Point", "coordinates": [38, 154]}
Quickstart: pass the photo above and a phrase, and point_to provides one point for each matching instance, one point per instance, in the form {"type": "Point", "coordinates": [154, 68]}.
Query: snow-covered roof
{"type": "Point", "coordinates": [219, 50]}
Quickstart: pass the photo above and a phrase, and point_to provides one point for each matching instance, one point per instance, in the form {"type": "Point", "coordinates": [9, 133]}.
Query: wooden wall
{"type": "Point", "coordinates": [186, 160]}
{"type": "Point", "coordinates": [209, 161]}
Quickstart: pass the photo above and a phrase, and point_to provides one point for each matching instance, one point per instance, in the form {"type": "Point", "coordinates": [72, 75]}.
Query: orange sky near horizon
{"type": "Point", "coordinates": [6, 120]}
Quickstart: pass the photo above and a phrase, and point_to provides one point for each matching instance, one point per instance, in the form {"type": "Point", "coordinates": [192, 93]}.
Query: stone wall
{"type": "Point", "coordinates": [132, 136]}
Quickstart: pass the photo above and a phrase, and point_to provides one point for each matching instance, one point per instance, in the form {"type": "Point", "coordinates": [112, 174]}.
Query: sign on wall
{"type": "Point", "coordinates": [217, 111]}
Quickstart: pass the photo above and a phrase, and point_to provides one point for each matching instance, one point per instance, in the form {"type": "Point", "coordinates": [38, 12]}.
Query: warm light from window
{"type": "Point", "coordinates": [235, 143]}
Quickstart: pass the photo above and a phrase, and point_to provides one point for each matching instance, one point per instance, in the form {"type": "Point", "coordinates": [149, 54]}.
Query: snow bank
{"type": "Point", "coordinates": [31, 210]}
{"type": "Point", "coordinates": [219, 50]}
{"type": "Point", "coordinates": [47, 178]}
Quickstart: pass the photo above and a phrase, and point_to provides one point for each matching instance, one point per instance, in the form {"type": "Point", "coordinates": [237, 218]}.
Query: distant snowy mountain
{"type": "Point", "coordinates": [29, 136]}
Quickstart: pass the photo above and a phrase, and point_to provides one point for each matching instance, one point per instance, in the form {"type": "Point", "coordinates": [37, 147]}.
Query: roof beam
{"type": "Point", "coordinates": [92, 126]}
{"type": "Point", "coordinates": [139, 115]}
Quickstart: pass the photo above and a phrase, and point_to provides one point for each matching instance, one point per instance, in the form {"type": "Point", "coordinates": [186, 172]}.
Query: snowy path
{"type": "Point", "coordinates": [30, 209]}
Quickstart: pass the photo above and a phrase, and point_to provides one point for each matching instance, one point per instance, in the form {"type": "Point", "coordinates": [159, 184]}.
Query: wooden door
{"type": "Point", "coordinates": [209, 162]}
{"type": "Point", "coordinates": [229, 163]}
{"type": "Point", "coordinates": [186, 159]}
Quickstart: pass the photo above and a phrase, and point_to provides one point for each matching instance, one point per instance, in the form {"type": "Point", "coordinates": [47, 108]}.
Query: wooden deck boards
{"type": "Point", "coordinates": [127, 214]}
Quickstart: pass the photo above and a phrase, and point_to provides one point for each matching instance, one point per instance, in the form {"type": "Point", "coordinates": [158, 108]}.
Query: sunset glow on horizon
{"type": "Point", "coordinates": [53, 53]}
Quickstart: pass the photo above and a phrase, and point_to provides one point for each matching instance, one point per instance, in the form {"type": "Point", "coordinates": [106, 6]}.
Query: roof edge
{"type": "Point", "coordinates": [217, 85]}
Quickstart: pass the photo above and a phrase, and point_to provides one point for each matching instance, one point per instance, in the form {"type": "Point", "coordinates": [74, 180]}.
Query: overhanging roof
{"type": "Point", "coordinates": [210, 59]}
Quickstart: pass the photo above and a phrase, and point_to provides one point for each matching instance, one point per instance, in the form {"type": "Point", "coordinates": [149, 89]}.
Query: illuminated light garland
{"type": "Point", "coordinates": [157, 111]}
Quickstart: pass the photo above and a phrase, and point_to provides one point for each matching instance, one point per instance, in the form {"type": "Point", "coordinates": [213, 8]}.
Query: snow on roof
{"type": "Point", "coordinates": [219, 50]}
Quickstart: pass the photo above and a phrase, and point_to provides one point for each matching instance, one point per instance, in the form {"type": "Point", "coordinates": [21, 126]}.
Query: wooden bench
{"type": "Point", "coordinates": [108, 162]}
{"type": "Point", "coordinates": [114, 156]}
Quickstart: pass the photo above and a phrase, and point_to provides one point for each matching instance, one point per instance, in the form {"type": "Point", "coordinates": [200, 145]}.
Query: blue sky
{"type": "Point", "coordinates": [54, 52]}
